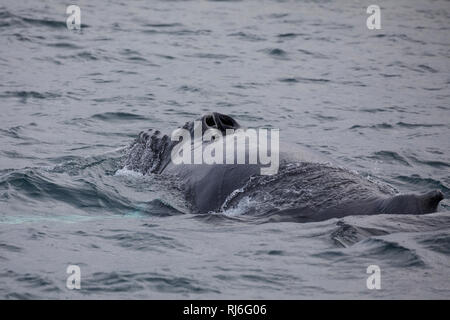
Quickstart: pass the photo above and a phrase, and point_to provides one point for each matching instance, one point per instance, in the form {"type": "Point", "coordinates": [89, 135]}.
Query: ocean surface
{"type": "Point", "coordinates": [376, 101]}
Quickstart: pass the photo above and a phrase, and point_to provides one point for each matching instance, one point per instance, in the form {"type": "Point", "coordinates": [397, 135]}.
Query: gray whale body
{"type": "Point", "coordinates": [306, 188]}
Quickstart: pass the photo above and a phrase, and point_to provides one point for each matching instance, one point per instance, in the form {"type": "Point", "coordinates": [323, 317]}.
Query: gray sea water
{"type": "Point", "coordinates": [375, 100]}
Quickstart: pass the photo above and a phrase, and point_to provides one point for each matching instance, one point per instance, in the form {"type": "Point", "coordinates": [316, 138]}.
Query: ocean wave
{"type": "Point", "coordinates": [8, 19]}
{"type": "Point", "coordinates": [118, 116]}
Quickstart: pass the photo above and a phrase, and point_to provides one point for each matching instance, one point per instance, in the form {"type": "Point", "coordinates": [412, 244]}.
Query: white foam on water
{"type": "Point", "coordinates": [128, 173]}
{"type": "Point", "coordinates": [242, 207]}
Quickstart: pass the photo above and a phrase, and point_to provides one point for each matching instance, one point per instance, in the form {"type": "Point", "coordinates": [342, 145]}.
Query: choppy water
{"type": "Point", "coordinates": [375, 100]}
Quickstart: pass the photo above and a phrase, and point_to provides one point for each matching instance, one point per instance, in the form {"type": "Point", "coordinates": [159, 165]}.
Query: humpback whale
{"type": "Point", "coordinates": [307, 187]}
